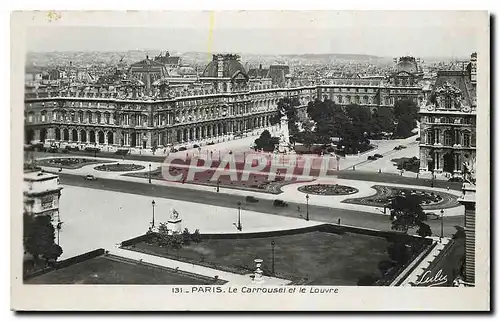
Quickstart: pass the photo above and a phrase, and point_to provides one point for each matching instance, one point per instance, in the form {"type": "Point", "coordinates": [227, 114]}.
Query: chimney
{"type": "Point", "coordinates": [473, 68]}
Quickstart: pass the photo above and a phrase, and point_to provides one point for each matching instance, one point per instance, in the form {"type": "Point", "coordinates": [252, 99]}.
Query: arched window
{"type": "Point", "coordinates": [448, 138]}
{"type": "Point", "coordinates": [467, 139]}
{"type": "Point", "coordinates": [429, 137]}
{"type": "Point", "coordinates": [447, 102]}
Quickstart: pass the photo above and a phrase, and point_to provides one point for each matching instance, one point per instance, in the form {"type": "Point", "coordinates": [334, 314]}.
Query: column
{"type": "Point", "coordinates": [96, 134]}
{"type": "Point", "coordinates": [37, 135]}
{"type": "Point", "coordinates": [79, 135]}
{"type": "Point", "coordinates": [436, 160]}
{"type": "Point", "coordinates": [423, 160]}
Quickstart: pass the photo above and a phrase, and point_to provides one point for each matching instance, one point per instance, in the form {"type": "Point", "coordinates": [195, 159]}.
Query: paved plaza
{"type": "Point", "coordinates": [104, 218]}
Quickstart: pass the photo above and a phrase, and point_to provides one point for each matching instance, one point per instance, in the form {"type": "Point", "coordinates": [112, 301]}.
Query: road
{"type": "Point", "coordinates": [317, 213]}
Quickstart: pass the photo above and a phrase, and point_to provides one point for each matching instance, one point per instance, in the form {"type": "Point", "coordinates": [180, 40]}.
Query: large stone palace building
{"type": "Point", "coordinates": [148, 108]}
{"type": "Point", "coordinates": [448, 122]}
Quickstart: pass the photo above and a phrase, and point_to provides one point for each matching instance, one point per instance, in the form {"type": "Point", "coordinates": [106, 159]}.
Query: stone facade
{"type": "Point", "coordinates": [448, 123]}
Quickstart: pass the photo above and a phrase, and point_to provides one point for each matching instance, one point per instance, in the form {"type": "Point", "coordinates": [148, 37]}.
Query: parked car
{"type": "Point", "coordinates": [456, 179]}
{"type": "Point", "coordinates": [371, 158]}
{"type": "Point", "coordinates": [53, 149]}
{"type": "Point", "coordinates": [251, 199]}
{"type": "Point", "coordinates": [279, 203]}
{"type": "Point", "coordinates": [378, 155]}
{"type": "Point", "coordinates": [196, 146]}
{"type": "Point", "coordinates": [182, 149]}
{"type": "Point", "coordinates": [397, 148]}
{"type": "Point", "coordinates": [90, 178]}
{"type": "Point", "coordinates": [418, 139]}
{"type": "Point", "coordinates": [72, 147]}
{"type": "Point", "coordinates": [402, 146]}
{"type": "Point", "coordinates": [174, 150]}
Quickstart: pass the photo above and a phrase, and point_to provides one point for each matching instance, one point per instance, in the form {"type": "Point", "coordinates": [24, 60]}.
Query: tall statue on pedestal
{"type": "Point", "coordinates": [284, 142]}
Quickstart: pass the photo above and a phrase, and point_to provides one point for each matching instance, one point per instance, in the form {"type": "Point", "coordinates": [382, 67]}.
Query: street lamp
{"type": "Point", "coordinates": [153, 221]}
{"type": "Point", "coordinates": [307, 207]}
{"type": "Point", "coordinates": [442, 217]}
{"type": "Point", "coordinates": [238, 225]}
{"type": "Point", "coordinates": [272, 251]}
{"type": "Point", "coordinates": [149, 173]}
{"type": "Point", "coordinates": [58, 230]}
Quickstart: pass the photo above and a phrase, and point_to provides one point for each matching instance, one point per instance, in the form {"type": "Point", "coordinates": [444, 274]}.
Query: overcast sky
{"type": "Point", "coordinates": [382, 33]}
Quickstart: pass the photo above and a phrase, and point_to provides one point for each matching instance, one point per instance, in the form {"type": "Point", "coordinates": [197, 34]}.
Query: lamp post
{"type": "Point", "coordinates": [307, 207]}
{"type": "Point", "coordinates": [149, 173]}
{"type": "Point", "coordinates": [153, 221]}
{"type": "Point", "coordinates": [272, 261]}
{"type": "Point", "coordinates": [238, 225]}
{"type": "Point", "coordinates": [442, 217]}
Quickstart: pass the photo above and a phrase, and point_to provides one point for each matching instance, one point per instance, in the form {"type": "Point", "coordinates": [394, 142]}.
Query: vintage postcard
{"type": "Point", "coordinates": [277, 160]}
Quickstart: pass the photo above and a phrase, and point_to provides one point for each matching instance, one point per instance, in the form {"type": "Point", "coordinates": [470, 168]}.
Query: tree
{"type": "Point", "coordinates": [405, 107]}
{"type": "Point", "coordinates": [382, 121]}
{"type": "Point", "coordinates": [176, 241]}
{"type": "Point", "coordinates": [266, 142]}
{"type": "Point", "coordinates": [39, 238]}
{"type": "Point", "coordinates": [407, 212]}
{"type": "Point", "coordinates": [186, 237]}
{"type": "Point", "coordinates": [196, 237]}
{"type": "Point", "coordinates": [406, 123]}
{"type": "Point", "coordinates": [163, 238]}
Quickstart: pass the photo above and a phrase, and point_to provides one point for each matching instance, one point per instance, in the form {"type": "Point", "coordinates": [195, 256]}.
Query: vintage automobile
{"type": "Point", "coordinates": [279, 203]}
{"type": "Point", "coordinates": [378, 155]}
{"type": "Point", "coordinates": [90, 178]}
{"type": "Point", "coordinates": [251, 199]}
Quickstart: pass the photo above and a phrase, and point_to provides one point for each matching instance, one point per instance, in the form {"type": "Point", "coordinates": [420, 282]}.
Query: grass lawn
{"type": "Point", "coordinates": [115, 270]}
{"type": "Point", "coordinates": [319, 258]}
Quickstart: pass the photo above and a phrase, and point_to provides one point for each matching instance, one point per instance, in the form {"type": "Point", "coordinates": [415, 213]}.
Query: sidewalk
{"type": "Point", "coordinates": [232, 278]}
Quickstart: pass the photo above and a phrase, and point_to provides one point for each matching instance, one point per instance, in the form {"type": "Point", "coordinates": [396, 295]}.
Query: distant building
{"type": "Point", "coordinates": [168, 60]}
{"type": "Point", "coordinates": [408, 72]}
{"type": "Point", "coordinates": [42, 192]}
{"type": "Point", "coordinates": [448, 122]}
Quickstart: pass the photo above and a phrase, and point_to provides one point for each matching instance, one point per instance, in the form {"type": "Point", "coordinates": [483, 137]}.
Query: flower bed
{"type": "Point", "coordinates": [328, 189]}
{"type": "Point", "coordinates": [430, 200]}
{"type": "Point", "coordinates": [119, 167]}
{"type": "Point", "coordinates": [68, 162]}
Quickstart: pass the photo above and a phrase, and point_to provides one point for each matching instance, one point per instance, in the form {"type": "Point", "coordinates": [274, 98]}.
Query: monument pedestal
{"type": "Point", "coordinates": [175, 225]}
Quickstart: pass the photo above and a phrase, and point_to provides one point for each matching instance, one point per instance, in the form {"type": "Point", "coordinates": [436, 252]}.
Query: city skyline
{"type": "Point", "coordinates": [422, 34]}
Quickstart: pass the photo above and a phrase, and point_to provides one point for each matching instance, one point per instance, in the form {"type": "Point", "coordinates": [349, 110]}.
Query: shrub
{"type": "Point", "coordinates": [186, 237]}
{"type": "Point", "coordinates": [196, 237]}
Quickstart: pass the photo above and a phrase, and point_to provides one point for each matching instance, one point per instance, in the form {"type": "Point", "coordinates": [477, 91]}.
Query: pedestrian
{"type": "Point", "coordinates": [448, 188]}
{"type": "Point", "coordinates": [354, 168]}
{"type": "Point", "coordinates": [298, 208]}
{"type": "Point", "coordinates": [380, 171]}
{"type": "Point", "coordinates": [338, 221]}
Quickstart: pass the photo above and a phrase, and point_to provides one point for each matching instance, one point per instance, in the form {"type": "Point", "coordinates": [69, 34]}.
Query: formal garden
{"type": "Point", "coordinates": [118, 167]}
{"type": "Point", "coordinates": [256, 182]}
{"type": "Point", "coordinates": [328, 189]}
{"type": "Point", "coordinates": [316, 257]}
{"type": "Point", "coordinates": [429, 200]}
{"type": "Point", "coordinates": [68, 162]}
